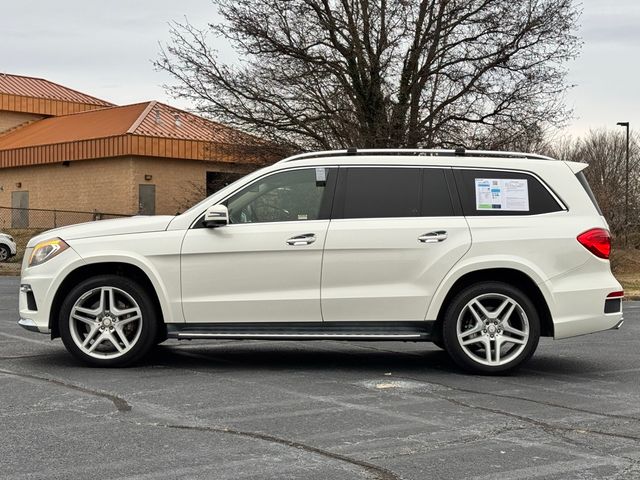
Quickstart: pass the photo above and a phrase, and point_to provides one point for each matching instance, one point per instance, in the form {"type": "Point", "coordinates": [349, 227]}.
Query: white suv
{"type": "Point", "coordinates": [478, 252]}
{"type": "Point", "coordinates": [7, 247]}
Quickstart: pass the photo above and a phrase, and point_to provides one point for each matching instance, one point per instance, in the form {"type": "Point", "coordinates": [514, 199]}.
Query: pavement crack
{"type": "Point", "coordinates": [374, 471]}
{"type": "Point", "coordinates": [524, 399]}
{"type": "Point", "coordinates": [120, 403]}
{"type": "Point", "coordinates": [547, 427]}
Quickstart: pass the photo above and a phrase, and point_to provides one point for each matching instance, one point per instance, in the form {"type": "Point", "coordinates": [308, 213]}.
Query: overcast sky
{"type": "Point", "coordinates": [106, 49]}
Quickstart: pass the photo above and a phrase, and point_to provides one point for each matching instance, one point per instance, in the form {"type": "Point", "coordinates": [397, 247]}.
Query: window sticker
{"type": "Point", "coordinates": [506, 194]}
{"type": "Point", "coordinates": [321, 176]}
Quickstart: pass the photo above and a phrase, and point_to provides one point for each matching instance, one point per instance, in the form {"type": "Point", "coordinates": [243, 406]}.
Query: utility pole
{"type": "Point", "coordinates": [626, 185]}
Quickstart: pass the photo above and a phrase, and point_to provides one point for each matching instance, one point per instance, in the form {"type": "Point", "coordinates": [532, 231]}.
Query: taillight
{"type": "Point", "coordinates": [597, 241]}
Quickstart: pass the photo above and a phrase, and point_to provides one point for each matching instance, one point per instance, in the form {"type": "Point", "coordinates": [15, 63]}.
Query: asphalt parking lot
{"type": "Point", "coordinates": [318, 410]}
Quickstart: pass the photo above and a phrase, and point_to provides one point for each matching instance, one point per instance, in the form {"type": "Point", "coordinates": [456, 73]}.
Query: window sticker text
{"type": "Point", "coordinates": [504, 194]}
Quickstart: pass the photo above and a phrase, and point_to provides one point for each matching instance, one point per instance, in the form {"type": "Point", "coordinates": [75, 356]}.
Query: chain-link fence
{"type": "Point", "coordinates": [41, 219]}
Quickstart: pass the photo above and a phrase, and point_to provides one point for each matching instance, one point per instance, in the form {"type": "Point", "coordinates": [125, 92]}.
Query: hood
{"type": "Point", "coordinates": [99, 228]}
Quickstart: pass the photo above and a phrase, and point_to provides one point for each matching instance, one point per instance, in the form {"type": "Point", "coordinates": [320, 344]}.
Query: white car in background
{"type": "Point", "coordinates": [479, 252]}
{"type": "Point", "coordinates": [7, 247]}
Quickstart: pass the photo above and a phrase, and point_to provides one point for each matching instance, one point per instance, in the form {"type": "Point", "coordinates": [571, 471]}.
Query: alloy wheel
{"type": "Point", "coordinates": [492, 329]}
{"type": "Point", "coordinates": [105, 322]}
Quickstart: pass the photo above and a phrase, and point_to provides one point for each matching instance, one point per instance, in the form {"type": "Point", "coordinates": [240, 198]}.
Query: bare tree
{"type": "Point", "coordinates": [320, 74]}
{"type": "Point", "coordinates": [605, 152]}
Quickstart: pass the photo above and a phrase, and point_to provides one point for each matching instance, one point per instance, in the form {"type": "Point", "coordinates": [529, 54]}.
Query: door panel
{"type": "Point", "coordinates": [386, 269]}
{"type": "Point", "coordinates": [378, 270]}
{"type": "Point", "coordinates": [265, 266]}
{"type": "Point", "coordinates": [249, 273]}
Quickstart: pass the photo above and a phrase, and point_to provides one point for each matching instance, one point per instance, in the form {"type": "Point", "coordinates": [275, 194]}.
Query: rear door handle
{"type": "Point", "coordinates": [304, 239]}
{"type": "Point", "coordinates": [433, 237]}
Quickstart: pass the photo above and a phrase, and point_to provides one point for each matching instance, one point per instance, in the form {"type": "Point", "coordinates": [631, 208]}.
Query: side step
{"type": "Point", "coordinates": [363, 331]}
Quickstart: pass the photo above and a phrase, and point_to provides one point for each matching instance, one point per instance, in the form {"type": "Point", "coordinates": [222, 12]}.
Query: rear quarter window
{"type": "Point", "coordinates": [585, 184]}
{"type": "Point", "coordinates": [499, 192]}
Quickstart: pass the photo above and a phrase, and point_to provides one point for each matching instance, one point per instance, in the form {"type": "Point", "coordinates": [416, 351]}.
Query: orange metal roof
{"type": "Point", "coordinates": [142, 129]}
{"type": "Point", "coordinates": [160, 120]}
{"type": "Point", "coordinates": [105, 122]}
{"type": "Point", "coordinates": [150, 119]}
{"type": "Point", "coordinates": [44, 89]}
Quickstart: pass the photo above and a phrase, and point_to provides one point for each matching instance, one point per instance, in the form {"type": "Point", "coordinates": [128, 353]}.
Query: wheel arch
{"type": "Point", "coordinates": [85, 271]}
{"type": "Point", "coordinates": [511, 276]}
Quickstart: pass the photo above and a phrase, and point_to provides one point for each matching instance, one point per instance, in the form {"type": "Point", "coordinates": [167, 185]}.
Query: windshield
{"type": "Point", "coordinates": [222, 192]}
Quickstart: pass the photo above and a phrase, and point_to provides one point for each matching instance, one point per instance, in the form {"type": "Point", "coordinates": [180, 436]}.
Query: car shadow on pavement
{"type": "Point", "coordinates": [352, 357]}
{"type": "Point", "coordinates": [293, 357]}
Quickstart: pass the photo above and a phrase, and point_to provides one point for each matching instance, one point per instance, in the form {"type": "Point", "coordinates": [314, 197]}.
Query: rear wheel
{"type": "Point", "coordinates": [4, 253]}
{"type": "Point", "coordinates": [108, 321]}
{"type": "Point", "coordinates": [491, 328]}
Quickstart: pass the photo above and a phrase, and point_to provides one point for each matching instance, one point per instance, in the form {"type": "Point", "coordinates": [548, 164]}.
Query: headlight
{"type": "Point", "coordinates": [46, 250]}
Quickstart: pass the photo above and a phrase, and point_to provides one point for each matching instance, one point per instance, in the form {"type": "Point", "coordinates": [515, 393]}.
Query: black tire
{"type": "Point", "coordinates": [486, 289]}
{"type": "Point", "coordinates": [148, 323]}
{"type": "Point", "coordinates": [161, 333]}
{"type": "Point", "coordinates": [5, 254]}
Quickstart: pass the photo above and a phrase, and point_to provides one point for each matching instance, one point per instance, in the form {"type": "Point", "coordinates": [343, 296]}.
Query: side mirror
{"type": "Point", "coordinates": [216, 216]}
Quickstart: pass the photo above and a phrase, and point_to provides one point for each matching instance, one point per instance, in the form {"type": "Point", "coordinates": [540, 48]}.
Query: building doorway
{"type": "Point", "coordinates": [20, 209]}
{"type": "Point", "coordinates": [146, 199]}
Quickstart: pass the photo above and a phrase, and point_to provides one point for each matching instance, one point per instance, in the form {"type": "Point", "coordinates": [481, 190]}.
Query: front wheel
{"type": "Point", "coordinates": [108, 321]}
{"type": "Point", "coordinates": [491, 328]}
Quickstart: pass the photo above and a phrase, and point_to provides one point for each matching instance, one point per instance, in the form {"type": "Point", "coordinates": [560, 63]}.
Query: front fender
{"type": "Point", "coordinates": [168, 295]}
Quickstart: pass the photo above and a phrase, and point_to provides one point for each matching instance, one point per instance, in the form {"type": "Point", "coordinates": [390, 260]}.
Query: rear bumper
{"type": "Point", "coordinates": [578, 301]}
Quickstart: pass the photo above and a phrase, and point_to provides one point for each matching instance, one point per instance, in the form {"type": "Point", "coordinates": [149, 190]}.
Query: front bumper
{"type": "Point", "coordinates": [38, 286]}
{"type": "Point", "coordinates": [30, 325]}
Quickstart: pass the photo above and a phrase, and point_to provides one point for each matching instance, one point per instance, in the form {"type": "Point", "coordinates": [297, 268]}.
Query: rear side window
{"type": "Point", "coordinates": [585, 184]}
{"type": "Point", "coordinates": [494, 192]}
{"type": "Point", "coordinates": [392, 192]}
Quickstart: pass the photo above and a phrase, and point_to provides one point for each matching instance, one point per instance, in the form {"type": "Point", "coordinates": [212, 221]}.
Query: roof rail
{"type": "Point", "coordinates": [458, 152]}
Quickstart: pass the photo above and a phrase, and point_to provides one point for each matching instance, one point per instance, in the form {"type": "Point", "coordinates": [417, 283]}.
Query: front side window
{"type": "Point", "coordinates": [294, 195]}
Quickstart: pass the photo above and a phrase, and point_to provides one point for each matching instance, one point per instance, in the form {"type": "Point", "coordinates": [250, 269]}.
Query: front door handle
{"type": "Point", "coordinates": [433, 237]}
{"type": "Point", "coordinates": [304, 239]}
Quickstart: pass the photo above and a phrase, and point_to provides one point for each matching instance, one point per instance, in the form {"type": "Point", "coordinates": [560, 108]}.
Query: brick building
{"type": "Point", "coordinates": [65, 150]}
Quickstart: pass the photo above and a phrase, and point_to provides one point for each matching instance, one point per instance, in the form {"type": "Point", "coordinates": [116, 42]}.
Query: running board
{"type": "Point", "coordinates": [362, 331]}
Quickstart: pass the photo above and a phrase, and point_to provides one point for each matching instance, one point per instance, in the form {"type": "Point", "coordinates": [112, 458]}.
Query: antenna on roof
{"type": "Point", "coordinates": [352, 151]}
{"type": "Point", "coordinates": [460, 151]}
